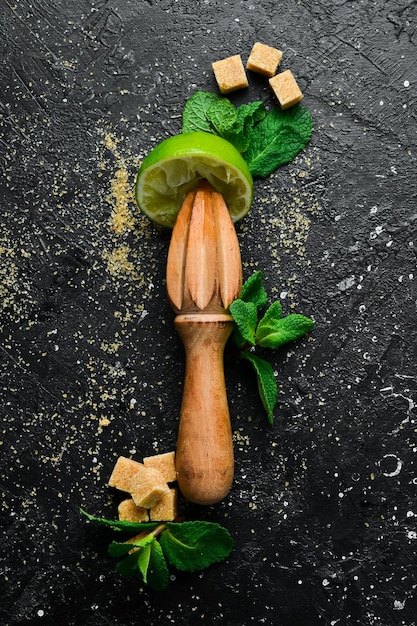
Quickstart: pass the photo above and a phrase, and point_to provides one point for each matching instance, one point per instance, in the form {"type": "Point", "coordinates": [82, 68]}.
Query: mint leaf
{"type": "Point", "coordinates": [191, 546]}
{"type": "Point", "coordinates": [147, 561]}
{"type": "Point", "coordinates": [121, 526]}
{"type": "Point", "coordinates": [277, 139]}
{"type": "Point", "coordinates": [194, 116]}
{"type": "Point", "coordinates": [143, 560]}
{"type": "Point", "coordinates": [267, 385]}
{"type": "Point", "coordinates": [234, 124]}
{"type": "Point", "coordinates": [253, 290]}
{"type": "Point", "coordinates": [133, 565]}
{"type": "Point", "coordinates": [158, 575]}
{"type": "Point", "coordinates": [222, 115]}
{"type": "Point", "coordinates": [272, 314]}
{"type": "Point", "coordinates": [245, 314]}
{"type": "Point", "coordinates": [273, 332]}
{"type": "Point", "coordinates": [249, 114]}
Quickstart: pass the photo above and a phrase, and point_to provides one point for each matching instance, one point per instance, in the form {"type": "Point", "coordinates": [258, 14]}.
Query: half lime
{"type": "Point", "coordinates": [175, 167]}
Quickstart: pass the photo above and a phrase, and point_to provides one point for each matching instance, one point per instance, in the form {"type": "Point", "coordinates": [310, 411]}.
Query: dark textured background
{"type": "Point", "coordinates": [323, 509]}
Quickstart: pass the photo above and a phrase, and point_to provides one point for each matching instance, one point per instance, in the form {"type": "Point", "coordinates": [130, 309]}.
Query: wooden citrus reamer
{"type": "Point", "coordinates": [204, 276]}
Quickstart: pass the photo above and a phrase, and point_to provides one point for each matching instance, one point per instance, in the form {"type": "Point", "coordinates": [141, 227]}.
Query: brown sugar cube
{"type": "Point", "coordinates": [129, 512]}
{"type": "Point", "coordinates": [286, 89]}
{"type": "Point", "coordinates": [230, 74]}
{"type": "Point", "coordinates": [165, 510]}
{"type": "Point", "coordinates": [164, 463]}
{"type": "Point", "coordinates": [264, 59]}
{"type": "Point", "coordinates": [147, 487]}
{"type": "Point", "coordinates": [123, 472]}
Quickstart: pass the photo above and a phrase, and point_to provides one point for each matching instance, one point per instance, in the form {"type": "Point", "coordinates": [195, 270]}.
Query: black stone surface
{"type": "Point", "coordinates": [323, 508]}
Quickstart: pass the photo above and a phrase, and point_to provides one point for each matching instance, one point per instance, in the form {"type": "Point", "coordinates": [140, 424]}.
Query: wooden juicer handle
{"type": "Point", "coordinates": [204, 276]}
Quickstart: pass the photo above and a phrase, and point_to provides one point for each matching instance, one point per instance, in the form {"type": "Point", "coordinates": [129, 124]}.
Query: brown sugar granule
{"type": "Point", "coordinates": [286, 89]}
{"type": "Point", "coordinates": [264, 59]}
{"type": "Point", "coordinates": [230, 74]}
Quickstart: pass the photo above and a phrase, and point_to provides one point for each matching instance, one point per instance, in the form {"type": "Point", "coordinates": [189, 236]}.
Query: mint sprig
{"type": "Point", "coordinates": [270, 331]}
{"type": "Point", "coordinates": [187, 546]}
{"type": "Point", "coordinates": [265, 139]}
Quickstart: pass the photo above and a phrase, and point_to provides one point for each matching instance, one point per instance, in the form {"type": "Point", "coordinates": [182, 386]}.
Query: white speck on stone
{"type": "Point", "coordinates": [346, 283]}
{"type": "Point", "coordinates": [374, 234]}
{"type": "Point", "coordinates": [406, 83]}
{"type": "Point", "coordinates": [143, 315]}
{"type": "Point", "coordinates": [41, 613]}
{"type": "Point", "coordinates": [398, 605]}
